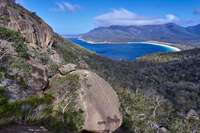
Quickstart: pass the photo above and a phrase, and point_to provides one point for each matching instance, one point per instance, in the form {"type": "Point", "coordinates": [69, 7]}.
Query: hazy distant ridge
{"type": "Point", "coordinates": [171, 32]}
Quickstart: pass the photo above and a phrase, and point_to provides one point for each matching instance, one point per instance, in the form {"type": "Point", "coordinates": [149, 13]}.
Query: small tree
{"type": "Point", "coordinates": [3, 53]}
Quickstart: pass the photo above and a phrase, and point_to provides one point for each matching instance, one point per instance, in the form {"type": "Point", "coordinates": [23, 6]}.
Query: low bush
{"type": "Point", "coordinates": [17, 39]}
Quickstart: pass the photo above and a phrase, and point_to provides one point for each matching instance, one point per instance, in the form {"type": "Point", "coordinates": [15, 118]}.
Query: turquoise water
{"type": "Point", "coordinates": [122, 51]}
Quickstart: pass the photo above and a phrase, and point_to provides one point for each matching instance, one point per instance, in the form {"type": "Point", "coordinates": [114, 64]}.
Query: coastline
{"type": "Point", "coordinates": [164, 44]}
{"type": "Point", "coordinates": [168, 45]}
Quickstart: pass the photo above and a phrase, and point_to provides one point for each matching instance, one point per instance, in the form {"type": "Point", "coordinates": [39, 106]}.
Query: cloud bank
{"type": "Point", "coordinates": [65, 6]}
{"type": "Point", "coordinates": [124, 17]}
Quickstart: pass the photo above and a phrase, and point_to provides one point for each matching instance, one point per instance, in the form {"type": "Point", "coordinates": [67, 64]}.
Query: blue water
{"type": "Point", "coordinates": [122, 51]}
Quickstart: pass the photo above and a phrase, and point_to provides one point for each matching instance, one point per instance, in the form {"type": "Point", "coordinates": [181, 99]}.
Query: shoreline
{"type": "Point", "coordinates": [168, 45]}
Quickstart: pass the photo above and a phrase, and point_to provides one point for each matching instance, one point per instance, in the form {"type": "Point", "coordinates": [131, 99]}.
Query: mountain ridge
{"type": "Point", "coordinates": [194, 29]}
{"type": "Point", "coordinates": [170, 33]}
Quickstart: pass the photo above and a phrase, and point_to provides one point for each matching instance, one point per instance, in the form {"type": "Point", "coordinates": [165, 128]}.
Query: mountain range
{"type": "Point", "coordinates": [170, 33]}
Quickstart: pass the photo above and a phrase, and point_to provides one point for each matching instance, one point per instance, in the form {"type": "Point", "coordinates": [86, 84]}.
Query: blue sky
{"type": "Point", "coordinates": [80, 16]}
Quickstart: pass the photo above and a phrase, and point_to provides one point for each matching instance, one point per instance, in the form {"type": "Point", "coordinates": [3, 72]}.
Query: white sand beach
{"type": "Point", "coordinates": [168, 45]}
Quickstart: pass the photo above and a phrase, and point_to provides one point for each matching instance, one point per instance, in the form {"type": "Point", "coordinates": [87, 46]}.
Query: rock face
{"type": "Point", "coordinates": [99, 103]}
{"type": "Point", "coordinates": [25, 84]}
{"type": "Point", "coordinates": [39, 76]}
{"type": "Point", "coordinates": [35, 30]}
{"type": "Point", "coordinates": [24, 77]}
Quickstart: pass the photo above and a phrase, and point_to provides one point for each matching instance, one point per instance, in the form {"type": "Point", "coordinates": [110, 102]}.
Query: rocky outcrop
{"type": "Point", "coordinates": [192, 114]}
{"type": "Point", "coordinates": [95, 97]}
{"type": "Point", "coordinates": [35, 30]}
{"type": "Point", "coordinates": [65, 69]}
{"type": "Point", "coordinates": [25, 83]}
{"type": "Point", "coordinates": [39, 77]}
{"type": "Point", "coordinates": [55, 57]}
{"type": "Point", "coordinates": [23, 77]}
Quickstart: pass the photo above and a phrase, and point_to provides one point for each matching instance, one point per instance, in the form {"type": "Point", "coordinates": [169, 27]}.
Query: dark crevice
{"type": "Point", "coordinates": [84, 131]}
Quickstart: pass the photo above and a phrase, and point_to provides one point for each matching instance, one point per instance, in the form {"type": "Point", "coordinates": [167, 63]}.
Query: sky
{"type": "Point", "coordinates": [81, 16]}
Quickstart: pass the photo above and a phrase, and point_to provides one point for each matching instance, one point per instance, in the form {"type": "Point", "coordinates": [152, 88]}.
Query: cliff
{"type": "Point", "coordinates": [17, 18]}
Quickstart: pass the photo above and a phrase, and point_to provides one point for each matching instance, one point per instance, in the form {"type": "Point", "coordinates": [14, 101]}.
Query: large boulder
{"type": "Point", "coordinates": [95, 97]}
{"type": "Point", "coordinates": [39, 78]}
{"type": "Point", "coordinates": [99, 102]}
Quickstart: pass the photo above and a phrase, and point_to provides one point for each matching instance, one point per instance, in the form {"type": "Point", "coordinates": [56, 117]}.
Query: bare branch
{"type": "Point", "coordinates": [156, 106]}
{"type": "Point", "coordinates": [4, 53]}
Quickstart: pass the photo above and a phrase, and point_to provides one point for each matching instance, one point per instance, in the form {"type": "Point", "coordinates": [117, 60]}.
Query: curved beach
{"type": "Point", "coordinates": [168, 45]}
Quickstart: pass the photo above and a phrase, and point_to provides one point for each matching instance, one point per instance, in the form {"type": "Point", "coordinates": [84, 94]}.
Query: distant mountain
{"type": "Point", "coordinates": [170, 32]}
{"type": "Point", "coordinates": [194, 29]}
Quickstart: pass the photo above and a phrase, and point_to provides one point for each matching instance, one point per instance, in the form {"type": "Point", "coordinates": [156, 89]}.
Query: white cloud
{"type": "Point", "coordinates": [71, 7]}
{"type": "Point", "coordinates": [124, 17]}
{"type": "Point", "coordinates": [60, 7]}
{"type": "Point", "coordinates": [65, 6]}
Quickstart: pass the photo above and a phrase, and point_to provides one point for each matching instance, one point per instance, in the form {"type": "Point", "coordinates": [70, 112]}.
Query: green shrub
{"type": "Point", "coordinates": [142, 112]}
{"type": "Point", "coordinates": [67, 116]}
{"type": "Point", "coordinates": [52, 68]}
{"type": "Point", "coordinates": [2, 70]}
{"type": "Point", "coordinates": [14, 109]}
{"type": "Point", "coordinates": [68, 50]}
{"type": "Point", "coordinates": [3, 100]}
{"type": "Point", "coordinates": [71, 120]}
{"type": "Point", "coordinates": [44, 58]}
{"type": "Point", "coordinates": [138, 112]}
{"type": "Point", "coordinates": [21, 64]}
{"type": "Point", "coordinates": [26, 111]}
{"type": "Point", "coordinates": [9, 110]}
{"type": "Point", "coordinates": [17, 39]}
{"type": "Point", "coordinates": [183, 125]}
{"type": "Point", "coordinates": [1, 76]}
